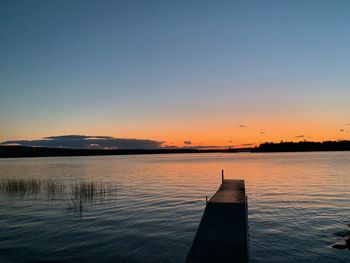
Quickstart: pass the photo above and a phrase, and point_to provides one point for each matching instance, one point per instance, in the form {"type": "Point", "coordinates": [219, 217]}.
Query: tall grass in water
{"type": "Point", "coordinates": [90, 190]}
{"type": "Point", "coordinates": [21, 186]}
{"type": "Point", "coordinates": [53, 188]}
{"type": "Point", "coordinates": [74, 193]}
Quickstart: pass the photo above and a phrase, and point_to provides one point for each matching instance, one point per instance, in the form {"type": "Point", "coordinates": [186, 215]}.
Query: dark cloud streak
{"type": "Point", "coordinates": [77, 137]}
{"type": "Point", "coordinates": [88, 142]}
{"type": "Point", "coordinates": [247, 144]}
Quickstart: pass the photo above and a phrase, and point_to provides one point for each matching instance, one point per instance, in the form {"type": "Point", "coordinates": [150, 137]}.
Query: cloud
{"type": "Point", "coordinates": [204, 147]}
{"type": "Point", "coordinates": [88, 142]}
{"type": "Point", "coordinates": [77, 137]}
{"type": "Point", "coordinates": [341, 130]}
{"type": "Point", "coordinates": [242, 126]}
{"type": "Point", "coordinates": [299, 136]}
{"type": "Point", "coordinates": [247, 144]}
{"type": "Point", "coordinates": [347, 123]}
{"type": "Point", "coordinates": [187, 142]}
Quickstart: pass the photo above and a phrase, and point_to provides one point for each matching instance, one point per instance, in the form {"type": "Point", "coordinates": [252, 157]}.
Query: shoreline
{"type": "Point", "coordinates": [9, 152]}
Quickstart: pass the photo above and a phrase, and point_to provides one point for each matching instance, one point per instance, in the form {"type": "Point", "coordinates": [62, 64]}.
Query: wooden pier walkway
{"type": "Point", "coordinates": [222, 235]}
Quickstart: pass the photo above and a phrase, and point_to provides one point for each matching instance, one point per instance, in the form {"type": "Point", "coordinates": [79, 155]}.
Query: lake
{"type": "Point", "coordinates": [297, 202]}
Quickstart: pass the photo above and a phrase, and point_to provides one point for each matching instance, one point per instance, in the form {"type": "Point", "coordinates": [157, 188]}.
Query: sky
{"type": "Point", "coordinates": [175, 73]}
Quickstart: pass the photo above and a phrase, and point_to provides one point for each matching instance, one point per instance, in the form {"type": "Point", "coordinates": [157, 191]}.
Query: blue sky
{"type": "Point", "coordinates": [173, 70]}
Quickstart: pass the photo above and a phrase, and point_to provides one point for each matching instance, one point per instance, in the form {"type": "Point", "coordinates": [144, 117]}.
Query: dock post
{"type": "Point", "coordinates": [222, 176]}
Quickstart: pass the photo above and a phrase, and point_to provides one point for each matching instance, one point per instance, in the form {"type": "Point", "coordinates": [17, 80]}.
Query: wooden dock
{"type": "Point", "coordinates": [222, 235]}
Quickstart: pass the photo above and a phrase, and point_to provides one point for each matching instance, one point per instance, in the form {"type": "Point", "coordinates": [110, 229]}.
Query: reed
{"type": "Point", "coordinates": [77, 190]}
{"type": "Point", "coordinates": [54, 188]}
{"type": "Point", "coordinates": [74, 205]}
{"type": "Point", "coordinates": [75, 194]}
{"type": "Point", "coordinates": [21, 186]}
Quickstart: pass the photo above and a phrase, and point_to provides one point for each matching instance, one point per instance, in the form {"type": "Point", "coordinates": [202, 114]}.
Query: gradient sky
{"type": "Point", "coordinates": [208, 72]}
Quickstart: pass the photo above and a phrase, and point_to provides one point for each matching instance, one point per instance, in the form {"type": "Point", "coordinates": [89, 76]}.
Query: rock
{"type": "Point", "coordinates": [339, 245]}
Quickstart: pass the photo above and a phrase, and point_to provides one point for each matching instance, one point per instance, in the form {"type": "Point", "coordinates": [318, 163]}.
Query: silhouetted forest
{"type": "Point", "coordinates": [22, 151]}
{"type": "Point", "coordinates": [303, 146]}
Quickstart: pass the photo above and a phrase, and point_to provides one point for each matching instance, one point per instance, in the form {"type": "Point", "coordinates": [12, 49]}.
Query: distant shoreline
{"type": "Point", "coordinates": [303, 146]}
{"type": "Point", "coordinates": [23, 151]}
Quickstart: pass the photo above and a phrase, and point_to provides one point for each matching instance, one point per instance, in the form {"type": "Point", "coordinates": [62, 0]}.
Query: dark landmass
{"type": "Point", "coordinates": [23, 151]}
{"type": "Point", "coordinates": [303, 146]}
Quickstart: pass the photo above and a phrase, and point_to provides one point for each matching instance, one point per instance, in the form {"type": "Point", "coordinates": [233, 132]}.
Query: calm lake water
{"type": "Point", "coordinates": [297, 202]}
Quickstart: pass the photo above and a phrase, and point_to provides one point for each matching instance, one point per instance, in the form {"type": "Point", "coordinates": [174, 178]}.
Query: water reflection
{"type": "Point", "coordinates": [296, 202]}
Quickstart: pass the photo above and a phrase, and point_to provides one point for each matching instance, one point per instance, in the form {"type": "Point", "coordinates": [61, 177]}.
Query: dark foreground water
{"type": "Point", "coordinates": [297, 202]}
